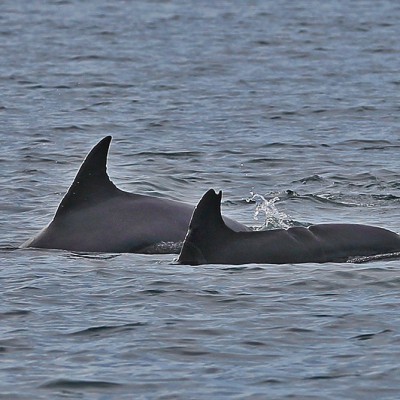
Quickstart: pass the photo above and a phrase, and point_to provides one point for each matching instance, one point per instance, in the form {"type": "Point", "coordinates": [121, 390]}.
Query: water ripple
{"type": "Point", "coordinates": [62, 383]}
{"type": "Point", "coordinates": [107, 329]}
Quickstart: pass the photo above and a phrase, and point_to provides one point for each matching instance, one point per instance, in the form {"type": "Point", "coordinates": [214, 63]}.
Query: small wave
{"type": "Point", "coordinates": [8, 248]}
{"type": "Point", "coordinates": [152, 292]}
{"type": "Point", "coordinates": [68, 128]}
{"type": "Point", "coordinates": [171, 155]}
{"type": "Point", "coordinates": [368, 336]}
{"type": "Point", "coordinates": [337, 199]}
{"type": "Point", "coordinates": [368, 144]}
{"type": "Point", "coordinates": [377, 257]}
{"type": "Point", "coordinates": [14, 313]}
{"type": "Point", "coordinates": [96, 330]}
{"type": "Point", "coordinates": [78, 384]}
{"type": "Point", "coordinates": [87, 57]}
{"type": "Point", "coordinates": [184, 351]}
{"type": "Point", "coordinates": [332, 376]}
{"type": "Point", "coordinates": [92, 256]}
{"type": "Point", "coordinates": [163, 248]}
{"type": "Point", "coordinates": [312, 178]}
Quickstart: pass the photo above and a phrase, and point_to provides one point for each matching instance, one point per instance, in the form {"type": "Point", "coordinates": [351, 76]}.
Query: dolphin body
{"type": "Point", "coordinates": [96, 216]}
{"type": "Point", "coordinates": [210, 241]}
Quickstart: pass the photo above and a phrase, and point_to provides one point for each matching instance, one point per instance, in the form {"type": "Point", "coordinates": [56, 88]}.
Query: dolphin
{"type": "Point", "coordinates": [96, 216]}
{"type": "Point", "coordinates": [210, 241]}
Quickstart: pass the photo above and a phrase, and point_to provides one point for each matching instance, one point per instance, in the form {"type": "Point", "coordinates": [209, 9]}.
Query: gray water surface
{"type": "Point", "coordinates": [298, 100]}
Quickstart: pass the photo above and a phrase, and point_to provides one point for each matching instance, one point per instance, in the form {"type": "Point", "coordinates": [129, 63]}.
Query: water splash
{"type": "Point", "coordinates": [377, 257]}
{"type": "Point", "coordinates": [273, 218]}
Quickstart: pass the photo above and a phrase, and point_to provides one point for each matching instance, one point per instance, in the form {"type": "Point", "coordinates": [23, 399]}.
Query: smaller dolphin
{"type": "Point", "coordinates": [96, 216]}
{"type": "Point", "coordinates": [210, 241]}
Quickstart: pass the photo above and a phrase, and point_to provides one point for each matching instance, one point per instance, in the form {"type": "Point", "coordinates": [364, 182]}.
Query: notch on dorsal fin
{"type": "Point", "coordinates": [207, 213]}
{"type": "Point", "coordinates": [91, 182]}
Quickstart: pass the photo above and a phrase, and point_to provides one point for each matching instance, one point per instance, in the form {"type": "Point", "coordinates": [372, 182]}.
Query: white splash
{"type": "Point", "coordinates": [273, 218]}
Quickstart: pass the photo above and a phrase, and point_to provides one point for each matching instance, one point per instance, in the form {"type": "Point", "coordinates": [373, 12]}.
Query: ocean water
{"type": "Point", "coordinates": [295, 100]}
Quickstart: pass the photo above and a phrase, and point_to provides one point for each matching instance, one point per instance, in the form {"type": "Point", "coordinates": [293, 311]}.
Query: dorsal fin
{"type": "Point", "coordinates": [206, 228]}
{"type": "Point", "coordinates": [91, 182]}
{"type": "Point", "coordinates": [207, 213]}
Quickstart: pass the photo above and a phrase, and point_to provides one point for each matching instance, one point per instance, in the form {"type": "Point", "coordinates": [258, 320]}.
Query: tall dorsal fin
{"type": "Point", "coordinates": [91, 182]}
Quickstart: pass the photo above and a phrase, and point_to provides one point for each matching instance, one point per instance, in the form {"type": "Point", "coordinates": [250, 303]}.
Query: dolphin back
{"type": "Point", "coordinates": [96, 216]}
{"type": "Point", "coordinates": [210, 241]}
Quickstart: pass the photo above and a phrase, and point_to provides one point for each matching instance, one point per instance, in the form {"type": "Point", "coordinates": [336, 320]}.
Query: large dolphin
{"type": "Point", "coordinates": [210, 241]}
{"type": "Point", "coordinates": [96, 216]}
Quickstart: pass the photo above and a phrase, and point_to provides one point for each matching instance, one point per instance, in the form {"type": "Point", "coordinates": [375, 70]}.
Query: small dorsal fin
{"type": "Point", "coordinates": [91, 182]}
{"type": "Point", "coordinates": [208, 211]}
{"type": "Point", "coordinates": [205, 230]}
